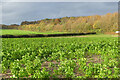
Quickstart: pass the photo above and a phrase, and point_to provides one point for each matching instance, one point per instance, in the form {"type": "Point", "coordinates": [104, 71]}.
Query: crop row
{"type": "Point", "coordinates": [61, 57]}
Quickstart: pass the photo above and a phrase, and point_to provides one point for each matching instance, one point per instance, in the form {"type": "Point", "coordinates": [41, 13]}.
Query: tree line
{"type": "Point", "coordinates": [96, 23]}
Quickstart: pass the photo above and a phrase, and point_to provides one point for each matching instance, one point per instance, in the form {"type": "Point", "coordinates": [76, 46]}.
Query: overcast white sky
{"type": "Point", "coordinates": [60, 0]}
{"type": "Point", "coordinates": [16, 11]}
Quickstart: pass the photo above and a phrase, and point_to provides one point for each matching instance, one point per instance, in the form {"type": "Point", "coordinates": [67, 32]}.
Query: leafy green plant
{"type": "Point", "coordinates": [61, 57]}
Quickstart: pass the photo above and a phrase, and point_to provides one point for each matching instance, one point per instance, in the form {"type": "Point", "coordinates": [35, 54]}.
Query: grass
{"type": "Point", "coordinates": [23, 32]}
{"type": "Point", "coordinates": [16, 32]}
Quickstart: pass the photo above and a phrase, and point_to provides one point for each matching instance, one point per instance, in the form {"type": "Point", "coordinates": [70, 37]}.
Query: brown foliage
{"type": "Point", "coordinates": [96, 23]}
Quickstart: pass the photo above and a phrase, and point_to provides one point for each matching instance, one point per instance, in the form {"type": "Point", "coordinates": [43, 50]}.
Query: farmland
{"type": "Point", "coordinates": [59, 40]}
{"type": "Point", "coordinates": [85, 57]}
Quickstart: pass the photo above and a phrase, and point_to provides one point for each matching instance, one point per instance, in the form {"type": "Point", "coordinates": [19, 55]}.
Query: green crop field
{"type": "Point", "coordinates": [84, 57]}
{"type": "Point", "coordinates": [23, 32]}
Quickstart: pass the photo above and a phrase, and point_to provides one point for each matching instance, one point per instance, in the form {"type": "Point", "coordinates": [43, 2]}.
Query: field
{"type": "Point", "coordinates": [77, 57]}
{"type": "Point", "coordinates": [23, 32]}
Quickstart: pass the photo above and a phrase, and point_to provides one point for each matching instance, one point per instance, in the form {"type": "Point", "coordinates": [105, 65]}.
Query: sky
{"type": "Point", "coordinates": [16, 12]}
